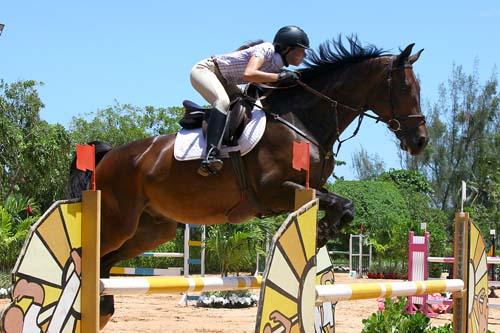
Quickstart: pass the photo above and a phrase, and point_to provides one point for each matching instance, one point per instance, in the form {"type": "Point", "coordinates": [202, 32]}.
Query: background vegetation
{"type": "Point", "coordinates": [464, 140]}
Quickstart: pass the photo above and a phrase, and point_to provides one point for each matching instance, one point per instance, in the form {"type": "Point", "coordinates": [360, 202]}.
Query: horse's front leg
{"type": "Point", "coordinates": [339, 211]}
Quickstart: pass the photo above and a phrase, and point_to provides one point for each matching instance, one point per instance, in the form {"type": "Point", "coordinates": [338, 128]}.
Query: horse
{"type": "Point", "coordinates": [146, 193]}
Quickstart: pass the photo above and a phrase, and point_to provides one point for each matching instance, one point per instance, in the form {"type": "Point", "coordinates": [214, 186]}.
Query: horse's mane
{"type": "Point", "coordinates": [333, 54]}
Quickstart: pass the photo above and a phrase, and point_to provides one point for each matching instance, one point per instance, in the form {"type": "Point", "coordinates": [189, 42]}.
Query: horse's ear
{"type": "Point", "coordinates": [403, 57]}
{"type": "Point", "coordinates": [415, 57]}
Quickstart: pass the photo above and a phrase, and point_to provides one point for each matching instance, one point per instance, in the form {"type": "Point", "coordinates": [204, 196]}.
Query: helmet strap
{"type": "Point", "coordinates": [283, 55]}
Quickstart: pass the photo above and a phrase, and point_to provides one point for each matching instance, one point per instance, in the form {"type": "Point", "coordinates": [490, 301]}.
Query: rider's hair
{"type": "Point", "coordinates": [248, 44]}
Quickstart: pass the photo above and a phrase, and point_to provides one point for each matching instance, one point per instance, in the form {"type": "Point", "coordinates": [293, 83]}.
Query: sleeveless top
{"type": "Point", "coordinates": [232, 65]}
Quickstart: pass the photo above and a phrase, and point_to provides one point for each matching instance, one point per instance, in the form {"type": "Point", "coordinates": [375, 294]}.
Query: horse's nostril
{"type": "Point", "coordinates": [422, 141]}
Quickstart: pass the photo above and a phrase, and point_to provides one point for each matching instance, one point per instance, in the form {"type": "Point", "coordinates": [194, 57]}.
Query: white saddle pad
{"type": "Point", "coordinates": [190, 144]}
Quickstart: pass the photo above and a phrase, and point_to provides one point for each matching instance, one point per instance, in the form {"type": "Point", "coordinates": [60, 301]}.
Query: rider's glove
{"type": "Point", "coordinates": [287, 77]}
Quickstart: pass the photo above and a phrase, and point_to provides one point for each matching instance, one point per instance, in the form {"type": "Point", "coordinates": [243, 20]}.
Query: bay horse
{"type": "Point", "coordinates": [146, 192]}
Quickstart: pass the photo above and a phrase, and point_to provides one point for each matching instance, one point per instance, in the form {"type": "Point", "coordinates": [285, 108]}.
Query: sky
{"type": "Point", "coordinates": [92, 54]}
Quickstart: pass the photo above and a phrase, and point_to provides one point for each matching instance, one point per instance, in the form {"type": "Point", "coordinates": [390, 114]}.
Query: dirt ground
{"type": "Point", "coordinates": [160, 313]}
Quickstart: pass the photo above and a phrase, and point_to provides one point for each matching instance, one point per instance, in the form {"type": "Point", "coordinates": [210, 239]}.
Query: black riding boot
{"type": "Point", "coordinates": [212, 164]}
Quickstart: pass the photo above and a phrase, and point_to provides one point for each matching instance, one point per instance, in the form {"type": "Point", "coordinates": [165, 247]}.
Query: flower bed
{"type": "Point", "coordinates": [227, 300]}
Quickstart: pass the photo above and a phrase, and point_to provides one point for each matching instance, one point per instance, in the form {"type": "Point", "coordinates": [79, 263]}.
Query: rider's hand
{"type": "Point", "coordinates": [287, 77]}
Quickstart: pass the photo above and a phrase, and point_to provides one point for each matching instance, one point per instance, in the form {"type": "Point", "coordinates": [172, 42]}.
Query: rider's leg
{"type": "Point", "coordinates": [206, 82]}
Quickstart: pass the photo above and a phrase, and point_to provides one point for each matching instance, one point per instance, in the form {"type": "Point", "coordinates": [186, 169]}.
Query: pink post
{"type": "Point", "coordinates": [418, 254]}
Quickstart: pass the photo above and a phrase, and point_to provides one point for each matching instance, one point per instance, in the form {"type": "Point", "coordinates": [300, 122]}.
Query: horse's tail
{"type": "Point", "coordinates": [80, 180]}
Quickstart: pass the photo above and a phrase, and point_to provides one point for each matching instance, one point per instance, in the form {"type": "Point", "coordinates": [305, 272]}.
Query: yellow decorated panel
{"type": "Point", "coordinates": [53, 233]}
{"type": "Point", "coordinates": [477, 298]}
{"type": "Point", "coordinates": [72, 214]}
{"type": "Point", "coordinates": [280, 273]}
{"type": "Point", "coordinates": [291, 243]}
{"type": "Point", "coordinates": [46, 281]}
{"type": "Point", "coordinates": [287, 309]}
{"type": "Point", "coordinates": [308, 230]}
{"type": "Point", "coordinates": [289, 278]}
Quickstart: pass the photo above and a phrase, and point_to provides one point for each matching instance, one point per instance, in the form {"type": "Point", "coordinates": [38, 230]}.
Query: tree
{"type": "Point", "coordinates": [391, 206]}
{"type": "Point", "coordinates": [34, 155]}
{"type": "Point", "coordinates": [382, 211]}
{"type": "Point", "coordinates": [417, 192]}
{"type": "Point", "coordinates": [20, 107]}
{"type": "Point", "coordinates": [464, 140]}
{"type": "Point", "coordinates": [366, 166]}
{"type": "Point", "coordinates": [123, 123]}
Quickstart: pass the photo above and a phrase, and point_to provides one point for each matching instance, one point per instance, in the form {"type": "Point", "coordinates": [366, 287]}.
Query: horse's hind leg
{"type": "Point", "coordinates": [120, 214]}
{"type": "Point", "coordinates": [150, 234]}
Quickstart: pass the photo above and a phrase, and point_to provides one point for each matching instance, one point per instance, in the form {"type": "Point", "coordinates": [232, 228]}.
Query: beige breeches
{"type": "Point", "coordinates": [207, 80]}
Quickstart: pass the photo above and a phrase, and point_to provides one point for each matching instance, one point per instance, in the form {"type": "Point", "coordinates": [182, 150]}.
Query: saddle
{"type": "Point", "coordinates": [196, 116]}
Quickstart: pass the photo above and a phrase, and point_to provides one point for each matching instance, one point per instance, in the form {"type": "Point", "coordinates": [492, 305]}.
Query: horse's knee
{"type": "Point", "coordinates": [348, 211]}
{"type": "Point", "coordinates": [339, 212]}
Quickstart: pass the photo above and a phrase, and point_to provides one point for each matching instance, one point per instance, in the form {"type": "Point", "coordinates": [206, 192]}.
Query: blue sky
{"type": "Point", "coordinates": [91, 53]}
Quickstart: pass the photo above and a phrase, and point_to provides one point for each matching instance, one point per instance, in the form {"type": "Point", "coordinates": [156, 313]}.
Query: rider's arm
{"type": "Point", "coordinates": [253, 74]}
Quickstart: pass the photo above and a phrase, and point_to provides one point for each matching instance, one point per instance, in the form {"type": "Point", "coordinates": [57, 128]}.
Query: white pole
{"type": "Point", "coordinates": [350, 253]}
{"type": "Point", "coordinates": [203, 238]}
{"type": "Point", "coordinates": [186, 251]}
{"type": "Point", "coordinates": [256, 264]}
{"type": "Point", "coordinates": [360, 273]}
{"type": "Point", "coordinates": [370, 257]}
{"type": "Point", "coordinates": [464, 196]}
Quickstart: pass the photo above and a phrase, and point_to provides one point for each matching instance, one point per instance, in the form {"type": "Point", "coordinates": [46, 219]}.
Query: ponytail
{"type": "Point", "coordinates": [249, 44]}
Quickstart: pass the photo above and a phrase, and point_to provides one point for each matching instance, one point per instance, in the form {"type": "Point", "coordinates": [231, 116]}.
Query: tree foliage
{"type": "Point", "coordinates": [391, 206]}
{"type": "Point", "coordinates": [34, 155]}
{"type": "Point", "coordinates": [464, 143]}
{"type": "Point", "coordinates": [366, 166]}
{"type": "Point", "coordinates": [123, 123]}
{"type": "Point", "coordinates": [15, 221]}
{"type": "Point", "coordinates": [233, 246]}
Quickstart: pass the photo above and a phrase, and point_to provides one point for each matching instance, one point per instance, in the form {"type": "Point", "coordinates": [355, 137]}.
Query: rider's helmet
{"type": "Point", "coordinates": [291, 36]}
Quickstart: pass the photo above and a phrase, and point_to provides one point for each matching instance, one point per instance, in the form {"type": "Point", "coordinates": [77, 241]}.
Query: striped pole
{"type": "Point", "coordinates": [332, 293]}
{"type": "Point", "coordinates": [343, 292]}
{"type": "Point", "coordinates": [167, 285]}
{"type": "Point", "coordinates": [171, 271]}
{"type": "Point", "coordinates": [451, 260]}
{"type": "Point", "coordinates": [163, 254]}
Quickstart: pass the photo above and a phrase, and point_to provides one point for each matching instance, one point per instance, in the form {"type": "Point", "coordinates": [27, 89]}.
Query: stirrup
{"type": "Point", "coordinates": [210, 167]}
{"type": "Point", "coordinates": [211, 164]}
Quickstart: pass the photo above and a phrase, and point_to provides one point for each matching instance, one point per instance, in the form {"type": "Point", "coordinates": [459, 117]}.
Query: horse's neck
{"type": "Point", "coordinates": [351, 87]}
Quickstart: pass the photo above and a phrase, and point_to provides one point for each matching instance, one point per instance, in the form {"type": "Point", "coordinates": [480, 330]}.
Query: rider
{"type": "Point", "coordinates": [216, 79]}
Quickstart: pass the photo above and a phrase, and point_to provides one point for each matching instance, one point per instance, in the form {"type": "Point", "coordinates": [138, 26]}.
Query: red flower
{"type": "Point", "coordinates": [29, 210]}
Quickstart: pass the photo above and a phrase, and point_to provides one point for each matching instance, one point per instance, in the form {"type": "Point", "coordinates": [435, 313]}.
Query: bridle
{"type": "Point", "coordinates": [394, 124]}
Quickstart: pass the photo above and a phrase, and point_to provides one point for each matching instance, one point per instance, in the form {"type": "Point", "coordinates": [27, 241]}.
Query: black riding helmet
{"type": "Point", "coordinates": [291, 36]}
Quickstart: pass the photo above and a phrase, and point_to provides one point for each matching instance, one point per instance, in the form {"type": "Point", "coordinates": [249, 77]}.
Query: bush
{"type": "Point", "coordinates": [15, 220]}
{"type": "Point", "coordinates": [394, 319]}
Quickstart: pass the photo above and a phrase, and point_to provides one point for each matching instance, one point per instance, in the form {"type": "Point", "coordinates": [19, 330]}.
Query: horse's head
{"type": "Point", "coordinates": [397, 102]}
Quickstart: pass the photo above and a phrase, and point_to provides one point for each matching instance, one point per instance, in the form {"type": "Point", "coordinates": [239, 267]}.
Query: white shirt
{"type": "Point", "coordinates": [232, 65]}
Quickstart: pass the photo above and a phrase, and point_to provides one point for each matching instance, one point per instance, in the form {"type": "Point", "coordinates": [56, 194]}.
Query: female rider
{"type": "Point", "coordinates": [216, 79]}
